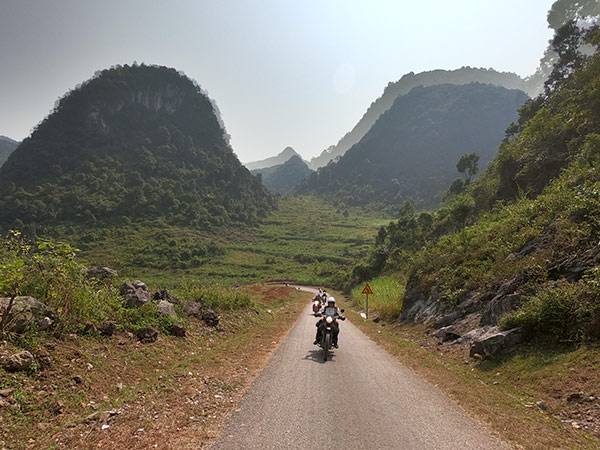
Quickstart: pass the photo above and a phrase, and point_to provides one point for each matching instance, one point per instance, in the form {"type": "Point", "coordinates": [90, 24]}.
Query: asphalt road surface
{"type": "Point", "coordinates": [361, 398]}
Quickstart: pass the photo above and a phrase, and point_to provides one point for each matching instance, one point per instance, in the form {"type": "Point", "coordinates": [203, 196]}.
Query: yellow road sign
{"type": "Point", "coordinates": [367, 290]}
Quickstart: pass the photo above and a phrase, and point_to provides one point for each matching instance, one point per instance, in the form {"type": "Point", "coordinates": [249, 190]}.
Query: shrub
{"type": "Point", "coordinates": [560, 312]}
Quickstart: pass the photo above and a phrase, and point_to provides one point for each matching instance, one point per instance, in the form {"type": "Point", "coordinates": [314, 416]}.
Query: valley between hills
{"type": "Point", "coordinates": [149, 281]}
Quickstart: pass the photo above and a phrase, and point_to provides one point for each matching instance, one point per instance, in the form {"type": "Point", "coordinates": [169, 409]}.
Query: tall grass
{"type": "Point", "coordinates": [387, 297]}
{"type": "Point", "coordinates": [215, 296]}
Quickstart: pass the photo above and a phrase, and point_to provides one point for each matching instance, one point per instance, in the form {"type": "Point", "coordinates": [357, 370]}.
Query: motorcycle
{"type": "Point", "coordinates": [329, 323]}
{"type": "Point", "coordinates": [316, 306]}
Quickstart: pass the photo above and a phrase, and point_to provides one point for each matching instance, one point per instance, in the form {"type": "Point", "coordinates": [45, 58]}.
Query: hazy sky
{"type": "Point", "coordinates": [298, 73]}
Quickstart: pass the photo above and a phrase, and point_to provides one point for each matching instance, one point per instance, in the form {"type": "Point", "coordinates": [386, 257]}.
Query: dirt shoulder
{"type": "Point", "coordinates": [119, 393]}
{"type": "Point", "coordinates": [540, 398]}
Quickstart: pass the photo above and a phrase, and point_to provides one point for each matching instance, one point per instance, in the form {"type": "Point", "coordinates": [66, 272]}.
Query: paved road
{"type": "Point", "coordinates": [362, 398]}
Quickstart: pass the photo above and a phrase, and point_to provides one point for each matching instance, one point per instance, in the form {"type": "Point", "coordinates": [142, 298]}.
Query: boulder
{"type": "Point", "coordinates": [177, 329]}
{"type": "Point", "coordinates": [471, 336]}
{"type": "Point", "coordinates": [126, 288]}
{"type": "Point", "coordinates": [28, 310]}
{"type": "Point", "coordinates": [18, 362]}
{"type": "Point", "coordinates": [166, 308]}
{"type": "Point", "coordinates": [108, 328]}
{"type": "Point", "coordinates": [100, 273]}
{"type": "Point", "coordinates": [496, 342]}
{"type": "Point", "coordinates": [136, 299]}
{"type": "Point", "coordinates": [147, 334]}
{"type": "Point", "coordinates": [137, 284]}
{"type": "Point", "coordinates": [135, 293]}
{"type": "Point", "coordinates": [194, 309]}
{"type": "Point", "coordinates": [211, 318]}
{"type": "Point", "coordinates": [446, 334]}
{"type": "Point", "coordinates": [164, 295]}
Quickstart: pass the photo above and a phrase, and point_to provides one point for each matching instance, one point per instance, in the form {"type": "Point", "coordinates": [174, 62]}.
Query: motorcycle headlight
{"type": "Point", "coordinates": [329, 319]}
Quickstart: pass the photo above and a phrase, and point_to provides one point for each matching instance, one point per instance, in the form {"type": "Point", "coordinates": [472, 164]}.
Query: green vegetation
{"type": "Point", "coordinates": [132, 145]}
{"type": "Point", "coordinates": [411, 151]}
{"type": "Point", "coordinates": [217, 297]}
{"type": "Point", "coordinates": [307, 239]}
{"type": "Point", "coordinates": [531, 221]}
{"type": "Point", "coordinates": [283, 178]}
{"type": "Point", "coordinates": [50, 272]}
{"type": "Point", "coordinates": [386, 299]}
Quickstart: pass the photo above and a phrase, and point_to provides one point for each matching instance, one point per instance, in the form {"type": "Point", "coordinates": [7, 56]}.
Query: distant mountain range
{"type": "Point", "coordinates": [403, 86]}
{"type": "Point", "coordinates": [134, 143]}
{"type": "Point", "coordinates": [411, 151]}
{"type": "Point", "coordinates": [283, 178]}
{"type": "Point", "coordinates": [282, 157]}
{"type": "Point", "coordinates": [7, 146]}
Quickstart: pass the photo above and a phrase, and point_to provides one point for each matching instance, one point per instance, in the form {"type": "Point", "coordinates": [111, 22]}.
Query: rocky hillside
{"type": "Point", "coordinates": [516, 254]}
{"type": "Point", "coordinates": [403, 86]}
{"type": "Point", "coordinates": [134, 143]}
{"type": "Point", "coordinates": [7, 146]}
{"type": "Point", "coordinates": [282, 157]}
{"type": "Point", "coordinates": [412, 150]}
{"type": "Point", "coordinates": [283, 178]}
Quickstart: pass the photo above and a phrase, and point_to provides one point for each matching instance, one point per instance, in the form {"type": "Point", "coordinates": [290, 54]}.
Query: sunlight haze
{"type": "Point", "coordinates": [282, 73]}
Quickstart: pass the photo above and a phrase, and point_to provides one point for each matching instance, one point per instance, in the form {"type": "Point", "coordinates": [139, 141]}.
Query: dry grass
{"type": "Point", "coordinates": [174, 393]}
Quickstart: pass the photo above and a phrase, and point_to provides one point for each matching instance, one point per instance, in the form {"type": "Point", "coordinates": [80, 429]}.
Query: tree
{"type": "Point", "coordinates": [407, 210]}
{"type": "Point", "coordinates": [461, 208]}
{"type": "Point", "coordinates": [467, 165]}
{"type": "Point", "coordinates": [566, 43]}
{"type": "Point", "coordinates": [457, 187]}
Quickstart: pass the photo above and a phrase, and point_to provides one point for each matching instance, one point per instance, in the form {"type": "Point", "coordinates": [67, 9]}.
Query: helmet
{"type": "Point", "coordinates": [331, 300]}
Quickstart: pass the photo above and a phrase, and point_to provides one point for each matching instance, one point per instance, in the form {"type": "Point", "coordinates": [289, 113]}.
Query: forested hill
{"type": "Point", "coordinates": [283, 178]}
{"type": "Point", "coordinates": [412, 150]}
{"type": "Point", "coordinates": [404, 85]}
{"type": "Point", "coordinates": [133, 143]}
{"type": "Point", "coordinates": [7, 146]}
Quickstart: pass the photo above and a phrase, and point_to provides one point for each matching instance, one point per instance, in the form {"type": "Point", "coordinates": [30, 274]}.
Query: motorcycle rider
{"type": "Point", "coordinates": [324, 297]}
{"type": "Point", "coordinates": [329, 310]}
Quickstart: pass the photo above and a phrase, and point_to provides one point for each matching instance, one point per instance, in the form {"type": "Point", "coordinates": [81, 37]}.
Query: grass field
{"type": "Point", "coordinates": [304, 240]}
{"type": "Point", "coordinates": [386, 300]}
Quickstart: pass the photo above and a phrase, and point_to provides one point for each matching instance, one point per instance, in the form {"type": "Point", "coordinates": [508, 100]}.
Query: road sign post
{"type": "Point", "coordinates": [367, 290]}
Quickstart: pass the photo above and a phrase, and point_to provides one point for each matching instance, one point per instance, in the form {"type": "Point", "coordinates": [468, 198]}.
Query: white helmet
{"type": "Point", "coordinates": [331, 300]}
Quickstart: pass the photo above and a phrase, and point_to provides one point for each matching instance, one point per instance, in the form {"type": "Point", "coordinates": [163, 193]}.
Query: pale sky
{"type": "Point", "coordinates": [283, 73]}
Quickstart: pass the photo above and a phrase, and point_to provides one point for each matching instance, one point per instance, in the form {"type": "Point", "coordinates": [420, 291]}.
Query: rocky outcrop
{"type": "Point", "coordinates": [135, 293]}
{"type": "Point", "coordinates": [166, 308]}
{"type": "Point", "coordinates": [572, 268]}
{"type": "Point", "coordinates": [446, 334]}
{"type": "Point", "coordinates": [100, 273]}
{"type": "Point", "coordinates": [476, 309]}
{"type": "Point", "coordinates": [164, 295]}
{"type": "Point", "coordinates": [210, 317]}
{"type": "Point", "coordinates": [26, 311]}
{"type": "Point", "coordinates": [147, 334]}
{"type": "Point", "coordinates": [177, 329]}
{"type": "Point", "coordinates": [496, 342]}
{"type": "Point", "coordinates": [17, 362]}
{"type": "Point", "coordinates": [194, 309]}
